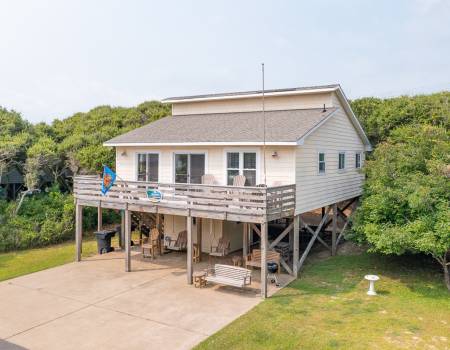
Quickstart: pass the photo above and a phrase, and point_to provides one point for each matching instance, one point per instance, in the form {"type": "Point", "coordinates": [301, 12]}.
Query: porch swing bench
{"type": "Point", "coordinates": [229, 275]}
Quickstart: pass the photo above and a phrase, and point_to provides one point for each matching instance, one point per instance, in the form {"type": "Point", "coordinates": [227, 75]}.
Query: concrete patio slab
{"type": "Point", "coordinates": [22, 308]}
{"type": "Point", "coordinates": [94, 304]}
{"type": "Point", "coordinates": [98, 328]}
{"type": "Point", "coordinates": [171, 301]}
{"type": "Point", "coordinates": [89, 281]}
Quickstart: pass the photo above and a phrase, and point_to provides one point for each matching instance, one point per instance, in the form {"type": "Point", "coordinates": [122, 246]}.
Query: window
{"type": "Point", "coordinates": [321, 163]}
{"type": "Point", "coordinates": [232, 166]}
{"type": "Point", "coordinates": [241, 163]}
{"type": "Point", "coordinates": [189, 167]}
{"type": "Point", "coordinates": [148, 167]}
{"type": "Point", "coordinates": [341, 160]}
{"type": "Point", "coordinates": [358, 160]}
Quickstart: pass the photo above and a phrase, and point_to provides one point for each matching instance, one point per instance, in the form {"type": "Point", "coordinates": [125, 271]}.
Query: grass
{"type": "Point", "coordinates": [23, 262]}
{"type": "Point", "coordinates": [328, 309]}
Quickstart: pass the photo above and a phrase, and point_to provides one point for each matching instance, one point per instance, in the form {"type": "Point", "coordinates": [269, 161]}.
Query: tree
{"type": "Point", "coordinates": [14, 138]}
{"type": "Point", "coordinates": [405, 205]}
{"type": "Point", "coordinates": [380, 116]}
{"type": "Point", "coordinates": [10, 149]}
{"type": "Point", "coordinates": [43, 158]}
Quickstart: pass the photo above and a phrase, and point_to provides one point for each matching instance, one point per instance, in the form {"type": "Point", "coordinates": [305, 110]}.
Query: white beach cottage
{"type": "Point", "coordinates": [305, 152]}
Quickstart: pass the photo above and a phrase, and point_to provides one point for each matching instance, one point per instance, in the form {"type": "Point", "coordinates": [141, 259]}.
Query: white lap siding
{"type": "Point", "coordinates": [316, 190]}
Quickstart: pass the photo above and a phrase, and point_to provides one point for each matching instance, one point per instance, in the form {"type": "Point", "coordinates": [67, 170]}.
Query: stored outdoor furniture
{"type": "Point", "coordinates": [284, 250]}
{"type": "Point", "coordinates": [229, 275]}
{"type": "Point", "coordinates": [151, 245]}
{"type": "Point", "coordinates": [179, 244]}
{"type": "Point", "coordinates": [208, 179]}
{"type": "Point", "coordinates": [196, 253]}
{"type": "Point", "coordinates": [237, 260]}
{"type": "Point", "coordinates": [221, 249]}
{"type": "Point", "coordinates": [254, 259]}
{"type": "Point", "coordinates": [239, 180]}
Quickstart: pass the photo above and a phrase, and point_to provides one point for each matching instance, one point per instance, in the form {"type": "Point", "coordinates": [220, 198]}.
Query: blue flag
{"type": "Point", "coordinates": [109, 177]}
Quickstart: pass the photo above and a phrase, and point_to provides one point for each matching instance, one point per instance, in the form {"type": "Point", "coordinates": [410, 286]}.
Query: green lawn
{"type": "Point", "coordinates": [328, 309]}
{"type": "Point", "coordinates": [22, 262]}
{"type": "Point", "coordinates": [27, 261]}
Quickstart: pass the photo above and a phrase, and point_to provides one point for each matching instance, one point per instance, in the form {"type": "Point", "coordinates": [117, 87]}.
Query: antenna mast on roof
{"type": "Point", "coordinates": [264, 125]}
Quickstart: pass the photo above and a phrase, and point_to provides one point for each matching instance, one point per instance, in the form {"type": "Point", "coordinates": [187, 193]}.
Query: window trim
{"type": "Point", "coordinates": [204, 152]}
{"type": "Point", "coordinates": [136, 167]}
{"type": "Point", "coordinates": [339, 161]}
{"type": "Point", "coordinates": [360, 159]}
{"type": "Point", "coordinates": [241, 169]}
{"type": "Point", "coordinates": [324, 161]}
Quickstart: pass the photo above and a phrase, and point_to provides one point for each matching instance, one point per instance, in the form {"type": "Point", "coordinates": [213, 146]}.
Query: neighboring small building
{"type": "Point", "coordinates": [11, 183]}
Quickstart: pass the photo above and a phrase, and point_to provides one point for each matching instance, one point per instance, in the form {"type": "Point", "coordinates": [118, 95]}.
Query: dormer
{"type": "Point", "coordinates": [250, 101]}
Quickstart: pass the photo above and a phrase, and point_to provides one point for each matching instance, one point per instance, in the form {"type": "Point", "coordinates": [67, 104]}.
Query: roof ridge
{"type": "Point", "coordinates": [251, 92]}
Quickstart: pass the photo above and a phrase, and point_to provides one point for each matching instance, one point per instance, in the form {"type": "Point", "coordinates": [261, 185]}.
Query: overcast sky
{"type": "Point", "coordinates": [60, 57]}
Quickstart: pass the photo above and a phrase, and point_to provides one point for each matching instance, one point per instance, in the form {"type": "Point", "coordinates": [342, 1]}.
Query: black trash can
{"type": "Point", "coordinates": [104, 241]}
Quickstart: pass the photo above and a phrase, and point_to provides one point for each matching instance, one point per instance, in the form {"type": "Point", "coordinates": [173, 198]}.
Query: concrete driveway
{"type": "Point", "coordinates": [94, 304]}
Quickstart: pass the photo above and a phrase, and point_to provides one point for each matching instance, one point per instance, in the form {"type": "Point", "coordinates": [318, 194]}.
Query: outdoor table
{"type": "Point", "coordinates": [199, 279]}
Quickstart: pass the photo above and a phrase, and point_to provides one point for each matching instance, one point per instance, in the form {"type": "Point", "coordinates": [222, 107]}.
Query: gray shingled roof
{"type": "Point", "coordinates": [281, 126]}
{"type": "Point", "coordinates": [255, 92]}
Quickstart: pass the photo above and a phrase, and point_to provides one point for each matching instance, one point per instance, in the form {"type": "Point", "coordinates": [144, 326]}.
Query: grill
{"type": "Point", "coordinates": [272, 267]}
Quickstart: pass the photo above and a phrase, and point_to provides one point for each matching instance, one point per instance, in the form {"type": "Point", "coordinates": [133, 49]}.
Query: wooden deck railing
{"type": "Point", "coordinates": [247, 204]}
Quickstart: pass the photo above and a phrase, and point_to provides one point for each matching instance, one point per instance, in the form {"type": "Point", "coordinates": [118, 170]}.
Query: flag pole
{"type": "Point", "coordinates": [120, 178]}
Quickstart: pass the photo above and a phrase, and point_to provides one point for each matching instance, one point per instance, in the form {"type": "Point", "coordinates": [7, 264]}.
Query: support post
{"type": "Point", "coordinates": [99, 217]}
{"type": "Point", "coordinates": [296, 252]}
{"type": "Point", "coordinates": [264, 245]}
{"type": "Point", "coordinates": [122, 230]}
{"type": "Point", "coordinates": [334, 230]}
{"type": "Point", "coordinates": [78, 230]}
{"type": "Point", "coordinates": [199, 237]}
{"type": "Point", "coordinates": [189, 248]}
{"type": "Point", "coordinates": [291, 238]}
{"type": "Point", "coordinates": [158, 227]}
{"type": "Point", "coordinates": [158, 221]}
{"type": "Point", "coordinates": [127, 240]}
{"type": "Point", "coordinates": [245, 240]}
{"type": "Point", "coordinates": [313, 238]}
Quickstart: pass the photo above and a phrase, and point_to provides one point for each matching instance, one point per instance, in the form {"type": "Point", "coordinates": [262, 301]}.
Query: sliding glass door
{"type": "Point", "coordinates": [189, 167]}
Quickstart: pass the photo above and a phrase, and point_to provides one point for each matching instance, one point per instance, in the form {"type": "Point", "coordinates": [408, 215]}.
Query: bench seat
{"type": "Point", "coordinates": [229, 275]}
{"type": "Point", "coordinates": [227, 281]}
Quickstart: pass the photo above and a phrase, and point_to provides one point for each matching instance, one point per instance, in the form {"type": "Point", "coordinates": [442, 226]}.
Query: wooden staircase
{"type": "Point", "coordinates": [144, 222]}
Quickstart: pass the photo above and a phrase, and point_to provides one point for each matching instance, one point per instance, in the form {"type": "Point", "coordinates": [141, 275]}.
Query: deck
{"type": "Point", "coordinates": [246, 204]}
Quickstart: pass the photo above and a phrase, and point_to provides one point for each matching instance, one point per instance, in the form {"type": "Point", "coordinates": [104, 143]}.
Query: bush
{"type": "Point", "coordinates": [43, 219]}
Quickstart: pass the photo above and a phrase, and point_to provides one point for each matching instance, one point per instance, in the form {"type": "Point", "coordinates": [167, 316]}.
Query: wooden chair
{"type": "Point", "coordinates": [239, 180]}
{"type": "Point", "coordinates": [221, 249]}
{"type": "Point", "coordinates": [179, 244]}
{"type": "Point", "coordinates": [208, 179]}
{"type": "Point", "coordinates": [196, 253]}
{"type": "Point", "coordinates": [151, 245]}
